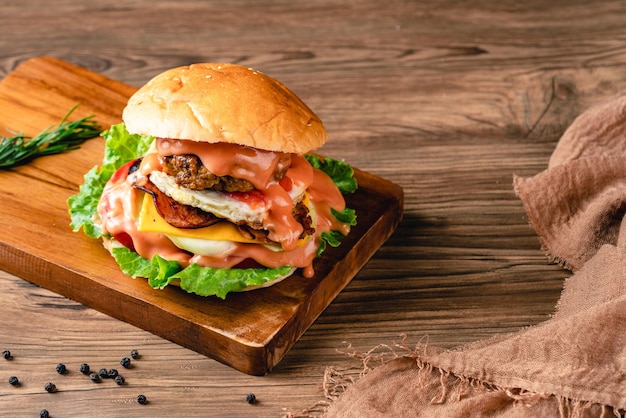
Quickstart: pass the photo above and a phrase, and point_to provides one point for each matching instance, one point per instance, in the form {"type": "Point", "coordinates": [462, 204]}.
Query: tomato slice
{"type": "Point", "coordinates": [253, 198]}
{"type": "Point", "coordinates": [125, 239]}
{"type": "Point", "coordinates": [286, 183]}
{"type": "Point", "coordinates": [249, 263]}
{"type": "Point", "coordinates": [122, 172]}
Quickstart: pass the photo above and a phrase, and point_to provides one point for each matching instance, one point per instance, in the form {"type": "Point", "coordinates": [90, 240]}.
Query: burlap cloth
{"type": "Point", "coordinates": [572, 365]}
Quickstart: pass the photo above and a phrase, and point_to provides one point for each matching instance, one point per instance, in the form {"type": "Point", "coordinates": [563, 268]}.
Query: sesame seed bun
{"type": "Point", "coordinates": [224, 103]}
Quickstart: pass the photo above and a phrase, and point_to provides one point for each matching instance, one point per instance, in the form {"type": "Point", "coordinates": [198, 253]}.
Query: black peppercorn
{"type": "Point", "coordinates": [134, 354]}
{"type": "Point", "coordinates": [119, 379]}
{"type": "Point", "coordinates": [61, 369]}
{"type": "Point", "coordinates": [84, 368]}
{"type": "Point", "coordinates": [142, 399]}
{"type": "Point", "coordinates": [13, 380]}
{"type": "Point", "coordinates": [94, 377]}
{"type": "Point", "coordinates": [50, 387]}
{"type": "Point", "coordinates": [112, 373]}
{"type": "Point", "coordinates": [103, 373]}
{"type": "Point", "coordinates": [44, 413]}
{"type": "Point", "coordinates": [125, 362]}
{"type": "Point", "coordinates": [250, 398]}
{"type": "Point", "coordinates": [6, 354]}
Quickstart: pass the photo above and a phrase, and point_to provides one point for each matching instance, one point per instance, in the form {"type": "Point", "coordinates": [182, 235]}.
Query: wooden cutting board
{"type": "Point", "coordinates": [250, 331]}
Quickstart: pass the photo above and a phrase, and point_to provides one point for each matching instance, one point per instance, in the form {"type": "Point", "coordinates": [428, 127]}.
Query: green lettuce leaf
{"type": "Point", "coordinates": [206, 281]}
{"type": "Point", "coordinates": [203, 281]}
{"type": "Point", "coordinates": [341, 173]}
{"type": "Point", "coordinates": [333, 238]}
{"type": "Point", "coordinates": [122, 147]}
{"type": "Point", "coordinates": [84, 204]}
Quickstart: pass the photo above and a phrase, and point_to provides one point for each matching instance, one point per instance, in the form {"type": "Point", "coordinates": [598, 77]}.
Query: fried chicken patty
{"type": "Point", "coordinates": [300, 213]}
{"type": "Point", "coordinates": [189, 172]}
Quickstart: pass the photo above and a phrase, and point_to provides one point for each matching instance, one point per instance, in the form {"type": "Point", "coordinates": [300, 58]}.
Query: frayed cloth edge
{"type": "Point", "coordinates": [337, 382]}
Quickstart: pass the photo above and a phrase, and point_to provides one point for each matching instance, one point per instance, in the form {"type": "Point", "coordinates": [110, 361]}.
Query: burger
{"type": "Point", "coordinates": [209, 183]}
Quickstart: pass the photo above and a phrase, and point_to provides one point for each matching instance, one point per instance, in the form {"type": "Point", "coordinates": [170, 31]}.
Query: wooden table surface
{"type": "Point", "coordinates": [447, 99]}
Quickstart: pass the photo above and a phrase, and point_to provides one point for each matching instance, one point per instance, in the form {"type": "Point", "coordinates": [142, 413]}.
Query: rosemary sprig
{"type": "Point", "coordinates": [19, 149]}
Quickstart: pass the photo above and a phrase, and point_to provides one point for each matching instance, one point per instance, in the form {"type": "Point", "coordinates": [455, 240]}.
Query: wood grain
{"type": "Point", "coordinates": [448, 99]}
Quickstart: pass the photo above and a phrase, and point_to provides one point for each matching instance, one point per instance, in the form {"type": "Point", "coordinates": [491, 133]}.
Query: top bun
{"type": "Point", "coordinates": [224, 103]}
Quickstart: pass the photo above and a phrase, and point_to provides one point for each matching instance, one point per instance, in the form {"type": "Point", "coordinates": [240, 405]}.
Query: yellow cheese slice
{"type": "Point", "coordinates": [150, 221]}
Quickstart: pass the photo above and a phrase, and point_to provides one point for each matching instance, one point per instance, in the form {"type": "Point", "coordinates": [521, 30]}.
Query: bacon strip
{"type": "Point", "coordinates": [176, 214]}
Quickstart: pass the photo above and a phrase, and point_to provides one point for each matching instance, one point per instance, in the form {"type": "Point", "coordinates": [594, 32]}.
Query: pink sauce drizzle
{"type": "Point", "coordinates": [119, 205]}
